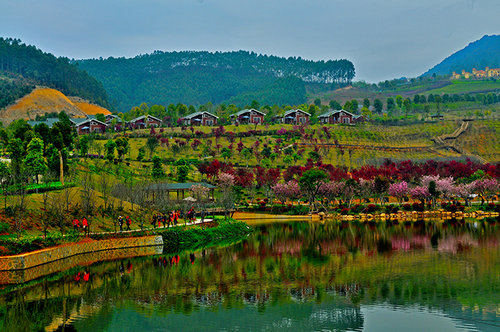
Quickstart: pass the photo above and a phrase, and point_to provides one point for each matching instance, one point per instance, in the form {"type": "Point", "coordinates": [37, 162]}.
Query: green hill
{"type": "Point", "coordinates": [200, 77]}
{"type": "Point", "coordinates": [23, 66]}
{"type": "Point", "coordinates": [482, 53]}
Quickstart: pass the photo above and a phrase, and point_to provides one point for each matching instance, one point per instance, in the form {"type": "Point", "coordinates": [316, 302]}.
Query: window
{"type": "Point", "coordinates": [209, 122]}
{"type": "Point", "coordinates": [256, 119]}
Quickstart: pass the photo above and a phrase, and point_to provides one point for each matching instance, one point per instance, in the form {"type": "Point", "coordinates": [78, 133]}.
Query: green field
{"type": "Point", "coordinates": [459, 87]}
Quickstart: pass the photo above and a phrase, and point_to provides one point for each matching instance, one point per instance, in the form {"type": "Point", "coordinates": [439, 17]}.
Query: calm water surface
{"type": "Point", "coordinates": [286, 276]}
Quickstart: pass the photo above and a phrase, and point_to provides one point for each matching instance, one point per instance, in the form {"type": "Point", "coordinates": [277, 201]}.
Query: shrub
{"type": "Point", "coordinates": [4, 227]}
{"type": "Point", "coordinates": [407, 207]}
{"type": "Point", "coordinates": [490, 207]}
{"type": "Point", "coordinates": [417, 207]}
{"type": "Point", "coordinates": [371, 208]}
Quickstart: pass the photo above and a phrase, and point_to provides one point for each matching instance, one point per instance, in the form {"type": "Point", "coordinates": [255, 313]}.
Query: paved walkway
{"type": "Point", "coordinates": [192, 223]}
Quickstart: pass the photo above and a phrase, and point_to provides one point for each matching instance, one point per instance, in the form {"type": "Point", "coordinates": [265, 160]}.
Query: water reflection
{"type": "Point", "coordinates": [288, 276]}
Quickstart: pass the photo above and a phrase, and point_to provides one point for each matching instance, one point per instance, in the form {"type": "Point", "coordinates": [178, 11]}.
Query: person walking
{"type": "Point", "coordinates": [154, 220]}
{"type": "Point", "coordinates": [120, 223]}
{"type": "Point", "coordinates": [76, 224]}
{"type": "Point", "coordinates": [85, 225]}
{"type": "Point", "coordinates": [128, 222]}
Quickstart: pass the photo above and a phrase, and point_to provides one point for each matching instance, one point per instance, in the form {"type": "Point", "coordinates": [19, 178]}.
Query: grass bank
{"type": "Point", "coordinates": [175, 239]}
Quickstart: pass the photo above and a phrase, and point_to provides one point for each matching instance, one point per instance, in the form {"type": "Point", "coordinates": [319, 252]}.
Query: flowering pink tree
{"type": "Point", "coordinates": [421, 193]}
{"type": "Point", "coordinates": [446, 187]}
{"type": "Point", "coordinates": [199, 192]}
{"type": "Point", "coordinates": [366, 189]}
{"type": "Point", "coordinates": [331, 190]}
{"type": "Point", "coordinates": [464, 191]}
{"type": "Point", "coordinates": [485, 187]}
{"type": "Point", "coordinates": [399, 190]}
{"type": "Point", "coordinates": [225, 180]}
{"type": "Point", "coordinates": [289, 190]}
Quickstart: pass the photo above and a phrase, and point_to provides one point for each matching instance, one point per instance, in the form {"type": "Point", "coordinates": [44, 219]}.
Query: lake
{"type": "Point", "coordinates": [286, 276]}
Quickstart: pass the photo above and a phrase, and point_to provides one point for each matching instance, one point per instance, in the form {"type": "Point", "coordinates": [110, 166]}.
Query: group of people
{"type": "Point", "coordinates": [84, 225]}
{"type": "Point", "coordinates": [128, 222]}
{"type": "Point", "coordinates": [166, 220]}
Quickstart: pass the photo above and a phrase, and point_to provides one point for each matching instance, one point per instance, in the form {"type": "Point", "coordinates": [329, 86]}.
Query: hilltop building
{"type": "Point", "coordinates": [248, 116]}
{"type": "Point", "coordinates": [487, 72]}
{"type": "Point", "coordinates": [297, 116]}
{"type": "Point", "coordinates": [336, 116]}
{"type": "Point", "coordinates": [200, 119]}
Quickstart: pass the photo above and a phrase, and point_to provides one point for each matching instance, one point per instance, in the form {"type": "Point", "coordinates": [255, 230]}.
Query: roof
{"type": "Point", "coordinates": [190, 116]}
{"type": "Point", "coordinates": [332, 112]}
{"type": "Point", "coordinates": [247, 110]}
{"type": "Point", "coordinates": [179, 186]}
{"type": "Point", "coordinates": [293, 111]}
{"type": "Point", "coordinates": [79, 122]}
{"type": "Point", "coordinates": [143, 116]}
{"type": "Point", "coordinates": [49, 122]}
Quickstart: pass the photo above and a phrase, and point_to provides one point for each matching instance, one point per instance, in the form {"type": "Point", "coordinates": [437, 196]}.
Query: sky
{"type": "Point", "coordinates": [384, 39]}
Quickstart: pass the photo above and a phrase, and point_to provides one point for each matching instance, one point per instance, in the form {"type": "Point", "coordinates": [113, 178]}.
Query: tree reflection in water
{"type": "Point", "coordinates": [293, 274]}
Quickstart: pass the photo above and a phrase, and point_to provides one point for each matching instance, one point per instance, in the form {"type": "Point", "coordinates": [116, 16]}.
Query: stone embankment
{"type": "Point", "coordinates": [414, 216]}
{"type": "Point", "coordinates": [31, 265]}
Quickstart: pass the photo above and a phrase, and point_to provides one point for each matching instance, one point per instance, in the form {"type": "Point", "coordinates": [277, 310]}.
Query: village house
{"type": "Point", "coordinates": [297, 116]}
{"type": "Point", "coordinates": [336, 116]}
{"type": "Point", "coordinates": [144, 121]}
{"type": "Point", "coordinates": [119, 124]}
{"type": "Point", "coordinates": [87, 126]}
{"type": "Point", "coordinates": [248, 116]}
{"type": "Point", "coordinates": [487, 72]}
{"type": "Point", "coordinates": [200, 119]}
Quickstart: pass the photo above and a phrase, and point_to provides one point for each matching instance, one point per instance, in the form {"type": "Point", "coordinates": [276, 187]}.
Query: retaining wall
{"type": "Point", "coordinates": [28, 266]}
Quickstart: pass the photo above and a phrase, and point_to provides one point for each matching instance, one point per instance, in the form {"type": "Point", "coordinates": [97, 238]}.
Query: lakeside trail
{"type": "Point", "coordinates": [192, 223]}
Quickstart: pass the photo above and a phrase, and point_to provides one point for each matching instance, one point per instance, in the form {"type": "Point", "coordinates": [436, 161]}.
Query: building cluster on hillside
{"type": "Point", "coordinates": [487, 72]}
{"type": "Point", "coordinates": [91, 124]}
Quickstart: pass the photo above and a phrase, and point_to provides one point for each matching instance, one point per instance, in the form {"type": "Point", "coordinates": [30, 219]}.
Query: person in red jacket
{"type": "Point", "coordinates": [76, 224]}
{"type": "Point", "coordinates": [128, 221]}
{"type": "Point", "coordinates": [85, 226]}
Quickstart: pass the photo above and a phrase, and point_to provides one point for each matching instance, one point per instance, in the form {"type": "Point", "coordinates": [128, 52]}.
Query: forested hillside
{"type": "Point", "coordinates": [482, 53]}
{"type": "Point", "coordinates": [22, 66]}
{"type": "Point", "coordinates": [201, 77]}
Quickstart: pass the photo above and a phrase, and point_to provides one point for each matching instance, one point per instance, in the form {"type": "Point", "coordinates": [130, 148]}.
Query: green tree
{"type": "Point", "coordinates": [226, 153]}
{"type": "Point", "coordinates": [407, 106]}
{"type": "Point", "coordinates": [391, 105]}
{"type": "Point", "coordinates": [100, 117]}
{"type": "Point", "coordinates": [110, 147]}
{"type": "Point", "coordinates": [366, 102]}
{"type": "Point", "coordinates": [151, 144]}
{"type": "Point", "coordinates": [399, 101]}
{"type": "Point", "coordinates": [317, 102]}
{"type": "Point", "coordinates": [182, 173]}
{"type": "Point", "coordinates": [246, 153]}
{"type": "Point", "coordinates": [84, 145]}
{"type": "Point", "coordinates": [5, 179]}
{"type": "Point", "coordinates": [16, 151]}
{"type": "Point", "coordinates": [310, 182]}
{"type": "Point", "coordinates": [122, 147]}
{"type": "Point", "coordinates": [141, 153]}
{"type": "Point", "coordinates": [335, 105]}
{"type": "Point", "coordinates": [157, 170]}
{"type": "Point", "coordinates": [379, 106]}
{"type": "Point", "coordinates": [34, 161]}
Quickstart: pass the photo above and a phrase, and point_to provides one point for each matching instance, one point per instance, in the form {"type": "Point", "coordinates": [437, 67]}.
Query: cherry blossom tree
{"type": "Point", "coordinates": [398, 190]}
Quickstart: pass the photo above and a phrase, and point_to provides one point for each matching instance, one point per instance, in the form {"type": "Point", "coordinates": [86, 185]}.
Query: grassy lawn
{"type": "Point", "coordinates": [467, 87]}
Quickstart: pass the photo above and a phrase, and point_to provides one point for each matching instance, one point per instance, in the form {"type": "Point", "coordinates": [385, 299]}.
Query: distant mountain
{"type": "Point", "coordinates": [24, 66]}
{"type": "Point", "coordinates": [200, 77]}
{"type": "Point", "coordinates": [482, 53]}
